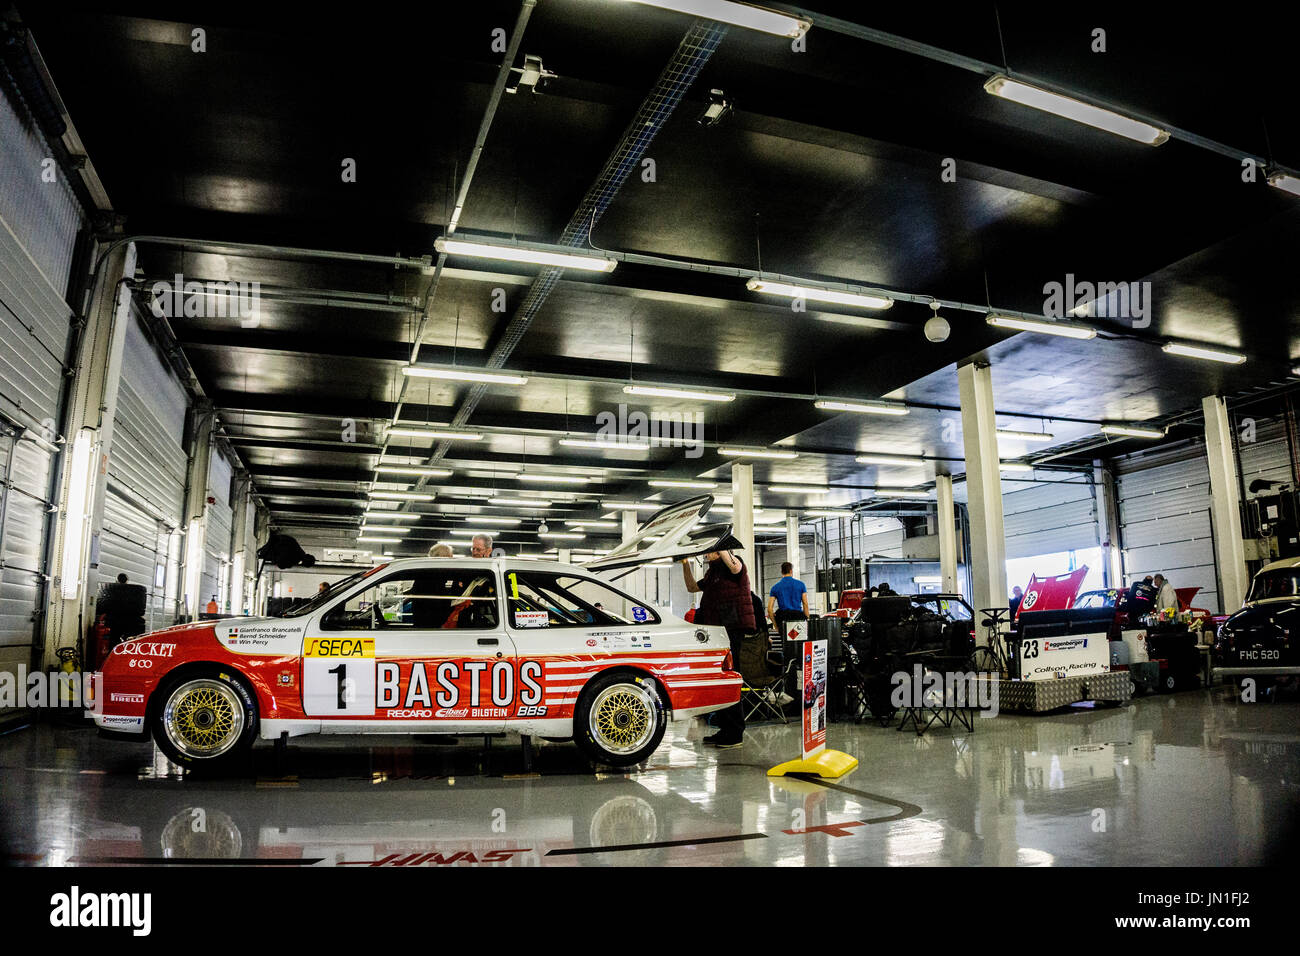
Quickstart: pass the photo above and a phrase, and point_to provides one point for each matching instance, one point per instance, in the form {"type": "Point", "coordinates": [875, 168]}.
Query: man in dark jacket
{"type": "Point", "coordinates": [727, 600]}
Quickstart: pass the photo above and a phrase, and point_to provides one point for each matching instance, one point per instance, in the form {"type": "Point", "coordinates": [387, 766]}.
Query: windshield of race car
{"type": "Point", "coordinates": [1278, 583]}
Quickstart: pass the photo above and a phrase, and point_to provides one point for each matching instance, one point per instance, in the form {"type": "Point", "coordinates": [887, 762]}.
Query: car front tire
{"type": "Point", "coordinates": [206, 720]}
{"type": "Point", "coordinates": [620, 719]}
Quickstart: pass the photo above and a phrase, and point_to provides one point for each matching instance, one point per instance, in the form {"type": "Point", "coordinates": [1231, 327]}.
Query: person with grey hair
{"type": "Point", "coordinates": [481, 546]}
{"type": "Point", "coordinates": [441, 551]}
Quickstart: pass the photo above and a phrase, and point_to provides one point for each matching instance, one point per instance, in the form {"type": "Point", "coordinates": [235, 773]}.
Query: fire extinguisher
{"type": "Point", "coordinates": [101, 638]}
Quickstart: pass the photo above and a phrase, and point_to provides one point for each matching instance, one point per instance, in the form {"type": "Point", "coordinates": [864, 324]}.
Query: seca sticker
{"type": "Point", "coordinates": [340, 647]}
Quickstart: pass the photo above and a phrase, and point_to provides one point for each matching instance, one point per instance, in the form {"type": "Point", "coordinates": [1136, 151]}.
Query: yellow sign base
{"type": "Point", "coordinates": [828, 763]}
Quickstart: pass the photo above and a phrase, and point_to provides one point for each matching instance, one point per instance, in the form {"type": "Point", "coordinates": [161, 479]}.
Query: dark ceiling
{"type": "Point", "coordinates": [829, 168]}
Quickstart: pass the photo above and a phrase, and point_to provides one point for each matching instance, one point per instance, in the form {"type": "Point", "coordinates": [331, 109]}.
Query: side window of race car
{"type": "Point", "coordinates": [420, 599]}
{"type": "Point", "coordinates": [544, 599]}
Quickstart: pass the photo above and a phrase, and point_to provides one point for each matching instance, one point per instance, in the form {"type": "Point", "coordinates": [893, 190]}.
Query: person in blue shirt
{"type": "Point", "coordinates": [788, 597]}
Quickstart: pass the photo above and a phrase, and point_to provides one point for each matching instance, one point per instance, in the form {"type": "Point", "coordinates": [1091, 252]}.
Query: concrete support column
{"type": "Point", "coordinates": [1225, 508]}
{"type": "Point", "coordinates": [88, 429]}
{"type": "Point", "coordinates": [1103, 485]}
{"type": "Point", "coordinates": [742, 515]}
{"type": "Point", "coordinates": [196, 508]}
{"type": "Point", "coordinates": [988, 557]}
{"type": "Point", "coordinates": [792, 541]}
{"type": "Point", "coordinates": [947, 531]}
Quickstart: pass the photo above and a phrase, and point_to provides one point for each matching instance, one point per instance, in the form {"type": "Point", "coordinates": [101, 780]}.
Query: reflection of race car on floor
{"type": "Point", "coordinates": [1262, 640]}
{"type": "Point", "coordinates": [437, 646]}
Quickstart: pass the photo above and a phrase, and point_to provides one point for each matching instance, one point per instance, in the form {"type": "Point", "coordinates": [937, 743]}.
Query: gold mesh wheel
{"type": "Point", "coordinates": [623, 718]}
{"type": "Point", "coordinates": [203, 718]}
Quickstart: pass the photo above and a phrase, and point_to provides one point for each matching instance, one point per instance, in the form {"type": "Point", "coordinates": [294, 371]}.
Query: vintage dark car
{"type": "Point", "coordinates": [1261, 640]}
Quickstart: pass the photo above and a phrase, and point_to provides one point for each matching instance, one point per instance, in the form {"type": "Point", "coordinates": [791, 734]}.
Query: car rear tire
{"type": "Point", "coordinates": [206, 721]}
{"type": "Point", "coordinates": [620, 719]}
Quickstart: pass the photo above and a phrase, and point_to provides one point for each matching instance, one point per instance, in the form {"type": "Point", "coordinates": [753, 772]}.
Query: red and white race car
{"type": "Point", "coordinates": [438, 646]}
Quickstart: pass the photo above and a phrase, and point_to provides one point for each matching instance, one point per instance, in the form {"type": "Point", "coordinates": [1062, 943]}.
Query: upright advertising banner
{"type": "Point", "coordinates": [814, 698]}
{"type": "Point", "coordinates": [814, 669]}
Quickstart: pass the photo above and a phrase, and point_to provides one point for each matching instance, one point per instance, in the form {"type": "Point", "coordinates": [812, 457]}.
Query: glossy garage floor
{"type": "Point", "coordinates": [1193, 778]}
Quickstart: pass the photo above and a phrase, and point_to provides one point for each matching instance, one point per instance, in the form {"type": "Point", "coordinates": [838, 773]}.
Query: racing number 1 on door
{"type": "Point", "coordinates": [338, 676]}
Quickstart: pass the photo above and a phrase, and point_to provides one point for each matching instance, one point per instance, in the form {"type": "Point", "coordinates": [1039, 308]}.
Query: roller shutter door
{"type": "Point", "coordinates": [1049, 518]}
{"type": "Point", "coordinates": [146, 475]}
{"type": "Point", "coordinates": [1266, 456]}
{"type": "Point", "coordinates": [39, 225]}
{"type": "Point", "coordinates": [216, 559]}
{"type": "Point", "coordinates": [1165, 525]}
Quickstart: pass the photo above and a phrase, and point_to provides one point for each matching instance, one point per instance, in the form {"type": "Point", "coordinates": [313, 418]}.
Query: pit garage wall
{"type": "Point", "coordinates": [145, 495]}
{"type": "Point", "coordinates": [216, 559]}
{"type": "Point", "coordinates": [39, 227]}
{"type": "Point", "coordinates": [1164, 519]}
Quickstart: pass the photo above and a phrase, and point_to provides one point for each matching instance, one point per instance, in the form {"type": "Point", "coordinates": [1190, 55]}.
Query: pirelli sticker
{"type": "Point", "coordinates": [334, 647]}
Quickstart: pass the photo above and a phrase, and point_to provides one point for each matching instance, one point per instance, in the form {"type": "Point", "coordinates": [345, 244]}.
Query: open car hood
{"type": "Point", "coordinates": [678, 537]}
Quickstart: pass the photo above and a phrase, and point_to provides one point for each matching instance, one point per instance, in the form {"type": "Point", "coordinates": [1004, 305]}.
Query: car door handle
{"type": "Point", "coordinates": [487, 642]}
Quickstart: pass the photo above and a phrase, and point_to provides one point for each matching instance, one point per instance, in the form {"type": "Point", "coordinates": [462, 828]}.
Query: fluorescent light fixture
{"type": "Point", "coordinates": [372, 539]}
{"type": "Point", "coordinates": [442, 434]}
{"type": "Point", "coordinates": [798, 489]}
{"type": "Point", "coordinates": [390, 516]}
{"type": "Point", "coordinates": [81, 480]}
{"type": "Point", "coordinates": [480, 533]}
{"type": "Point", "coordinates": [591, 524]}
{"type": "Point", "coordinates": [412, 470]}
{"type": "Point", "coordinates": [901, 493]}
{"type": "Point", "coordinates": [731, 509]}
{"type": "Point", "coordinates": [1095, 116]}
{"type": "Point", "coordinates": [1286, 182]}
{"type": "Point", "coordinates": [888, 460]}
{"type": "Point", "coordinates": [553, 479]}
{"type": "Point", "coordinates": [861, 408]}
{"type": "Point", "coordinates": [520, 502]}
{"type": "Point", "coordinates": [677, 483]}
{"type": "Point", "coordinates": [1200, 352]}
{"type": "Point", "coordinates": [819, 294]}
{"type": "Point", "coordinates": [1132, 431]}
{"type": "Point", "coordinates": [631, 505]}
{"type": "Point", "coordinates": [1014, 466]}
{"type": "Point", "coordinates": [386, 530]}
{"type": "Point", "coordinates": [927, 579]}
{"type": "Point", "coordinates": [666, 392]}
{"type": "Point", "coordinates": [829, 513]}
{"type": "Point", "coordinates": [757, 453]}
{"type": "Point", "coordinates": [1045, 326]}
{"type": "Point", "coordinates": [613, 443]}
{"type": "Point", "coordinates": [465, 375]}
{"type": "Point", "coordinates": [566, 535]}
{"type": "Point", "coordinates": [519, 252]}
{"type": "Point", "coordinates": [1011, 433]}
{"type": "Point", "coordinates": [737, 14]}
{"type": "Point", "coordinates": [486, 519]}
{"type": "Point", "coordinates": [400, 496]}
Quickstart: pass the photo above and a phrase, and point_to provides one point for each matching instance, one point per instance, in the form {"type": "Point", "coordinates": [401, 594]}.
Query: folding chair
{"type": "Point", "coordinates": [762, 688]}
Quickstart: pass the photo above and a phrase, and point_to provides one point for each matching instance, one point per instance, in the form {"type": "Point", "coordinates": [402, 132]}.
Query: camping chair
{"type": "Point", "coordinates": [760, 694]}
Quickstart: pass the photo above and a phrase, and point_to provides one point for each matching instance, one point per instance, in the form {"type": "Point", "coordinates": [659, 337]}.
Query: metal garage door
{"type": "Point", "coordinates": [25, 474]}
{"type": "Point", "coordinates": [1262, 448]}
{"type": "Point", "coordinates": [146, 475]}
{"type": "Point", "coordinates": [1165, 525]}
{"type": "Point", "coordinates": [1049, 518]}
{"type": "Point", "coordinates": [216, 560]}
{"type": "Point", "coordinates": [39, 224]}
